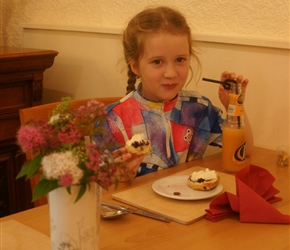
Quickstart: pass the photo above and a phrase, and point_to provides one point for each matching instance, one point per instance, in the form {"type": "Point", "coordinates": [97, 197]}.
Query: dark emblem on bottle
{"type": "Point", "coordinates": [240, 154]}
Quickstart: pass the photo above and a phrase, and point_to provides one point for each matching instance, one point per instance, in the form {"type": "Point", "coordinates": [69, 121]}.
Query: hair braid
{"type": "Point", "coordinates": [131, 80]}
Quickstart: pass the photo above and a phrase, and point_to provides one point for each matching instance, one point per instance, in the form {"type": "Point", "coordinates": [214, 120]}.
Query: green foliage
{"type": "Point", "coordinates": [63, 106]}
{"type": "Point", "coordinates": [43, 187]}
{"type": "Point", "coordinates": [83, 188]}
{"type": "Point", "coordinates": [30, 168]}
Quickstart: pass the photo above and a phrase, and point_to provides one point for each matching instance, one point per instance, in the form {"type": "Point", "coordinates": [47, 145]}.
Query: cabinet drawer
{"type": "Point", "coordinates": [14, 96]}
{"type": "Point", "coordinates": [9, 128]}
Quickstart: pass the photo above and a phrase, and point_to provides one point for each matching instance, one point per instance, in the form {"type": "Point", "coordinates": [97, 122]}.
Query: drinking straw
{"type": "Point", "coordinates": [227, 85]}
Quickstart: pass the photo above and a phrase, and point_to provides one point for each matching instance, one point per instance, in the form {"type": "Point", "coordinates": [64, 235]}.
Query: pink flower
{"type": "Point", "coordinates": [90, 112]}
{"type": "Point", "coordinates": [105, 182]}
{"type": "Point", "coordinates": [30, 138]}
{"type": "Point", "coordinates": [69, 135]}
{"type": "Point", "coordinates": [93, 156]}
{"type": "Point", "coordinates": [66, 180]}
{"type": "Point", "coordinates": [50, 135]}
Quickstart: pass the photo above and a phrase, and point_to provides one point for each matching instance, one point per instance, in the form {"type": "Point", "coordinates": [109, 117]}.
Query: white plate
{"type": "Point", "coordinates": [171, 185]}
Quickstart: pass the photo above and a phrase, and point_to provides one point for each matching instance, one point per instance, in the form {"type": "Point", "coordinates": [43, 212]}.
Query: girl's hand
{"type": "Point", "coordinates": [223, 94]}
{"type": "Point", "coordinates": [224, 97]}
{"type": "Point", "coordinates": [129, 164]}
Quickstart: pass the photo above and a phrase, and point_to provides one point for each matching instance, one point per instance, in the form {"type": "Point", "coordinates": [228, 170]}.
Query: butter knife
{"type": "Point", "coordinates": [137, 211]}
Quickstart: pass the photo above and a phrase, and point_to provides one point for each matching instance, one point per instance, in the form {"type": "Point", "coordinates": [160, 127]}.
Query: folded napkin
{"type": "Point", "coordinates": [255, 193]}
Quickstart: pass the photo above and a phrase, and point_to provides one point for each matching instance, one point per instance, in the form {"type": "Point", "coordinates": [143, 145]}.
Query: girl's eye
{"type": "Point", "coordinates": [157, 62]}
{"type": "Point", "coordinates": [180, 59]}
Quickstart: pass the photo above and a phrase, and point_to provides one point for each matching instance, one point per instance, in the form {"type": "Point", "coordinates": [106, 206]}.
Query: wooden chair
{"type": "Point", "coordinates": [43, 112]}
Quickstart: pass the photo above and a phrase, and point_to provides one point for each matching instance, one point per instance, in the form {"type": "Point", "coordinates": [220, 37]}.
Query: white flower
{"type": "Point", "coordinates": [56, 165]}
{"type": "Point", "coordinates": [54, 118]}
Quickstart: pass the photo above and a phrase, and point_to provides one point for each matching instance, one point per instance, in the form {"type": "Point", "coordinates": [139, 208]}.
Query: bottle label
{"type": "Point", "coordinates": [240, 154]}
{"type": "Point", "coordinates": [235, 105]}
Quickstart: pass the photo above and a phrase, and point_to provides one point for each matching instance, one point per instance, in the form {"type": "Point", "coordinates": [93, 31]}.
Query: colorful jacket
{"type": "Point", "coordinates": [179, 130]}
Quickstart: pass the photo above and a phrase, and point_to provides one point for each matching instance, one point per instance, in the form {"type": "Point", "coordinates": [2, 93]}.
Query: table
{"type": "Point", "coordinates": [21, 77]}
{"type": "Point", "coordinates": [136, 232]}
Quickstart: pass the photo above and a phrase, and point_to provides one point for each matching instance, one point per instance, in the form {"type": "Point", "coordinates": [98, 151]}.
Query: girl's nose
{"type": "Point", "coordinates": [170, 71]}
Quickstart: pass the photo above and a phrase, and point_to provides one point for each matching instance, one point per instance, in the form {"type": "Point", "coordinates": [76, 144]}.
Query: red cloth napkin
{"type": "Point", "coordinates": [255, 192]}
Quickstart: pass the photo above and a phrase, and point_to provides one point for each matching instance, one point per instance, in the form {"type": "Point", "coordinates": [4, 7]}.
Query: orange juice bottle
{"type": "Point", "coordinates": [234, 132]}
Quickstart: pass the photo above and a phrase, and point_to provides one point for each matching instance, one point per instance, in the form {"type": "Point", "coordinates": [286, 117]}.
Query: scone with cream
{"type": "Point", "coordinates": [138, 145]}
{"type": "Point", "coordinates": [203, 180]}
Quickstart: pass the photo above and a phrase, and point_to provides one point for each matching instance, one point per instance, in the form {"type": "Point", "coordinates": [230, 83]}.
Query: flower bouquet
{"type": "Point", "coordinates": [63, 158]}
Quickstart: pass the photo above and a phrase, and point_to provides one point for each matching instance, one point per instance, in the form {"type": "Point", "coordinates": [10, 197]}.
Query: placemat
{"type": "Point", "coordinates": [181, 211]}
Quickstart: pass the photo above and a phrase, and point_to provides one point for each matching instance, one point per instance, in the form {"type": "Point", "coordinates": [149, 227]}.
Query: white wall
{"type": "Point", "coordinates": [237, 18]}
{"type": "Point", "coordinates": [89, 65]}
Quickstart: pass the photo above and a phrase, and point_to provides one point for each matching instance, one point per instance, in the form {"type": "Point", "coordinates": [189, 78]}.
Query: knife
{"type": "Point", "coordinates": [137, 211]}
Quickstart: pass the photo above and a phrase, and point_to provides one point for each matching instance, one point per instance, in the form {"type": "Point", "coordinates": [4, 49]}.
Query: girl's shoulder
{"type": "Point", "coordinates": [122, 103]}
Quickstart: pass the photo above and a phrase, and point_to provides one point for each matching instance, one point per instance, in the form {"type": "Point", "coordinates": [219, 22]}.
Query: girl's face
{"type": "Point", "coordinates": [164, 65]}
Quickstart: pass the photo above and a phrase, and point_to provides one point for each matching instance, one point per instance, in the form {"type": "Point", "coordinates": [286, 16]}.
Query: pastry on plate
{"type": "Point", "coordinates": [203, 180]}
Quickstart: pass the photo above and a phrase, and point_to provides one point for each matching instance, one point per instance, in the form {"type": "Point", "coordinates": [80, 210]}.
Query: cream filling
{"type": "Point", "coordinates": [206, 175]}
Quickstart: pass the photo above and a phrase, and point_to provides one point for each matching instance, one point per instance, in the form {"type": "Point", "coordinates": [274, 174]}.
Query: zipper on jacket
{"type": "Point", "coordinates": [167, 125]}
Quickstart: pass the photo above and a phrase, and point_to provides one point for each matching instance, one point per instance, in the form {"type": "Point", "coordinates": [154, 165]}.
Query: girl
{"type": "Point", "coordinates": [158, 48]}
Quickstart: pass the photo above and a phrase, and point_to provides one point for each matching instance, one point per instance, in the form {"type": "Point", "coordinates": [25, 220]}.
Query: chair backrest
{"type": "Point", "coordinates": [43, 112]}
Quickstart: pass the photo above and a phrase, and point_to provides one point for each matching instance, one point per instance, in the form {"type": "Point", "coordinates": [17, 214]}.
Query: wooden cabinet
{"type": "Point", "coordinates": [21, 75]}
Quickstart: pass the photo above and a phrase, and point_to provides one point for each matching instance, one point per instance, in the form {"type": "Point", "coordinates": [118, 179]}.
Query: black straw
{"type": "Point", "coordinates": [212, 80]}
{"type": "Point", "coordinates": [227, 85]}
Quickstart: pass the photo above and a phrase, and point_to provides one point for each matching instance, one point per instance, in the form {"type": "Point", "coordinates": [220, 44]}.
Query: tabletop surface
{"type": "Point", "coordinates": [138, 232]}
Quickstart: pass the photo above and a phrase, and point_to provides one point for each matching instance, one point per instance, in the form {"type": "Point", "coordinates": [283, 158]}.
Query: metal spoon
{"type": "Point", "coordinates": [111, 213]}
{"type": "Point", "coordinates": [128, 210]}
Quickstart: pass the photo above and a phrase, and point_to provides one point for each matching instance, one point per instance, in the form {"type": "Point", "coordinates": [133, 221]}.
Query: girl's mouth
{"type": "Point", "coordinates": [169, 86]}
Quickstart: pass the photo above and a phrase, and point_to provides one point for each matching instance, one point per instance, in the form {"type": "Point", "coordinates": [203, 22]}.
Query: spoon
{"type": "Point", "coordinates": [111, 213]}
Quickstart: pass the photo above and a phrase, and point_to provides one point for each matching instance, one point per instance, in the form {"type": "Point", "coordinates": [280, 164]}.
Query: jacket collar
{"type": "Point", "coordinates": [166, 106]}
